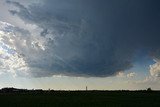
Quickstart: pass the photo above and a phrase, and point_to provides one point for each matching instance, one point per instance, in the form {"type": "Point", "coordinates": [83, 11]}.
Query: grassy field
{"type": "Point", "coordinates": [80, 99]}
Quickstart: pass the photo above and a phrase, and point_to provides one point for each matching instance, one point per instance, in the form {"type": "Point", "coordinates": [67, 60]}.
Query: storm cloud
{"type": "Point", "coordinates": [90, 38]}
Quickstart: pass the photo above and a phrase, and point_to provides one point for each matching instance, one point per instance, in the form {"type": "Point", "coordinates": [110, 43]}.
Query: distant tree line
{"type": "Point", "coordinates": [15, 90]}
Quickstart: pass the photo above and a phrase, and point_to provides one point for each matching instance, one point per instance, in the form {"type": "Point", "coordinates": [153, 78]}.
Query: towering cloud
{"type": "Point", "coordinates": [88, 37]}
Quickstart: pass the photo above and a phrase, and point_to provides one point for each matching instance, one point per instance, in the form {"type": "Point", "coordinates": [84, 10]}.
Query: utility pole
{"type": "Point", "coordinates": [86, 88]}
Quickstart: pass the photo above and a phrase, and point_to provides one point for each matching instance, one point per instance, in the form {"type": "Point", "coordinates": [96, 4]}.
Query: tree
{"type": "Point", "coordinates": [149, 89]}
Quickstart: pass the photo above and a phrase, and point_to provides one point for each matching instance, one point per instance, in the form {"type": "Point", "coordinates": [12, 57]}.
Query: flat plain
{"type": "Point", "coordinates": [80, 99]}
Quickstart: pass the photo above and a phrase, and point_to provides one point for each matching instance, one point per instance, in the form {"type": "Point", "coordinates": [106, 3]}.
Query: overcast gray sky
{"type": "Point", "coordinates": [104, 44]}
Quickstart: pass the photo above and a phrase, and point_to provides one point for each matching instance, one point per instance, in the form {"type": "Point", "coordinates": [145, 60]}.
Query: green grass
{"type": "Point", "coordinates": [80, 99]}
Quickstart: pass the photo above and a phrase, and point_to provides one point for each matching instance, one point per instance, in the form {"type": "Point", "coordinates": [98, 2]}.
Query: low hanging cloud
{"type": "Point", "coordinates": [132, 74]}
{"type": "Point", "coordinates": [87, 38]}
{"type": "Point", "coordinates": [155, 69]}
{"type": "Point", "coordinates": [126, 75]}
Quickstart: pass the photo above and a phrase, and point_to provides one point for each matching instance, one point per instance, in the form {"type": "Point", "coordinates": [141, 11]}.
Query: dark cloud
{"type": "Point", "coordinates": [91, 37]}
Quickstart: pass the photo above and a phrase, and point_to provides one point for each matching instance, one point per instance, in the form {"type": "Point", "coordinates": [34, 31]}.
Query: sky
{"type": "Point", "coordinates": [68, 44]}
